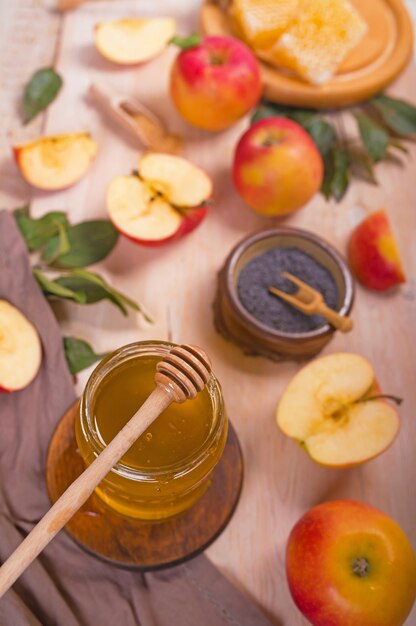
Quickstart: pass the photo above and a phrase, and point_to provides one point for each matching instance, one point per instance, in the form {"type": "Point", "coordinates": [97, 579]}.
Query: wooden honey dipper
{"type": "Point", "coordinates": [183, 372]}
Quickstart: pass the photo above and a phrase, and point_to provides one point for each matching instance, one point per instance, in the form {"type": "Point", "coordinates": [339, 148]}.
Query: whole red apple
{"type": "Point", "coordinates": [215, 83]}
{"type": "Point", "coordinates": [349, 564]}
{"type": "Point", "coordinates": [277, 167]}
{"type": "Point", "coordinates": [374, 255]}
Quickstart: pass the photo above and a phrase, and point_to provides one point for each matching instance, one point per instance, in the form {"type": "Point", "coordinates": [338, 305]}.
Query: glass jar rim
{"type": "Point", "coordinates": [122, 355]}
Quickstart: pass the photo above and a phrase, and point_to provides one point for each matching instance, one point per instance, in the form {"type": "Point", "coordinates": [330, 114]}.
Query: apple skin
{"type": "Point", "coordinates": [320, 553]}
{"type": "Point", "coordinates": [215, 83]}
{"type": "Point", "coordinates": [277, 167]}
{"type": "Point", "coordinates": [373, 254]}
{"type": "Point", "coordinates": [191, 220]}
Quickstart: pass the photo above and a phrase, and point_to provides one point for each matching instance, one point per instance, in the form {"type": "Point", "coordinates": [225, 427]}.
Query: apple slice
{"type": "Point", "coordinates": [327, 408]}
{"type": "Point", "coordinates": [55, 162]}
{"type": "Point", "coordinates": [134, 40]}
{"type": "Point", "coordinates": [138, 213]}
{"type": "Point", "coordinates": [374, 255]}
{"type": "Point", "coordinates": [20, 349]}
{"type": "Point", "coordinates": [165, 201]}
{"type": "Point", "coordinates": [185, 184]}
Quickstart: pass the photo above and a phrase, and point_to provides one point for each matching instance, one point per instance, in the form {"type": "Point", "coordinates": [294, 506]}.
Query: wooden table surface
{"type": "Point", "coordinates": [281, 482]}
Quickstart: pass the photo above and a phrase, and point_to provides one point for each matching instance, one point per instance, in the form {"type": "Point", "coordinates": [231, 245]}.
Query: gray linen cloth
{"type": "Point", "coordinates": [65, 586]}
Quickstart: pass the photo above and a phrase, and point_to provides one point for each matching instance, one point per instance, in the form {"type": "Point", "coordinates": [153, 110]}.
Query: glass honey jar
{"type": "Point", "coordinates": [170, 466]}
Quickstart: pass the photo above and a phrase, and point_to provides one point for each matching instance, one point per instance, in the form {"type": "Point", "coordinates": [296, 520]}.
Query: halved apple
{"type": "Point", "coordinates": [134, 40]}
{"type": "Point", "coordinates": [20, 349]}
{"type": "Point", "coordinates": [55, 162]}
{"type": "Point", "coordinates": [166, 200]}
{"type": "Point", "coordinates": [328, 408]}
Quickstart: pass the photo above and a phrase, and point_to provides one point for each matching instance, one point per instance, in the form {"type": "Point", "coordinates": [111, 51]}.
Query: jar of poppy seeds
{"type": "Point", "coordinates": [246, 313]}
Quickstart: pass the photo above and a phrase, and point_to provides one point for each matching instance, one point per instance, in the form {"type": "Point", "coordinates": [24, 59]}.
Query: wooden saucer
{"type": "Point", "coordinates": [368, 68]}
{"type": "Point", "coordinates": [130, 543]}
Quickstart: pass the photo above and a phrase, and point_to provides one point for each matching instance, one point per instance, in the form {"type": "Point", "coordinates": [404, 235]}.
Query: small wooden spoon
{"type": "Point", "coordinates": [137, 119]}
{"type": "Point", "coordinates": [311, 302]}
{"type": "Point", "coordinates": [181, 375]}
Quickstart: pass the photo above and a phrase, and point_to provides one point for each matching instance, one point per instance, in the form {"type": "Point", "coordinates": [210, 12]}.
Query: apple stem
{"type": "Point", "coordinates": [361, 567]}
{"type": "Point", "coordinates": [383, 396]}
{"type": "Point", "coordinates": [271, 141]}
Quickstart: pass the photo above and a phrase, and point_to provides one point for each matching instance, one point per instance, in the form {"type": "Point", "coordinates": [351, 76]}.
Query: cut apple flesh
{"type": "Point", "coordinates": [138, 212]}
{"type": "Point", "coordinates": [52, 163]}
{"type": "Point", "coordinates": [20, 349]}
{"type": "Point", "coordinates": [181, 182]}
{"type": "Point", "coordinates": [324, 407]}
{"type": "Point", "coordinates": [134, 40]}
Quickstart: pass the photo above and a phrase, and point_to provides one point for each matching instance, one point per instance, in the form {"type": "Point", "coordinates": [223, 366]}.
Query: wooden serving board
{"type": "Point", "coordinates": [281, 482]}
{"type": "Point", "coordinates": [370, 67]}
{"type": "Point", "coordinates": [127, 542]}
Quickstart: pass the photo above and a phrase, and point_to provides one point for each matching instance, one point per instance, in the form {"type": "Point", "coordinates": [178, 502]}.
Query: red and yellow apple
{"type": "Point", "coordinates": [373, 253]}
{"type": "Point", "coordinates": [164, 202]}
{"type": "Point", "coordinates": [277, 167]}
{"type": "Point", "coordinates": [133, 40]}
{"type": "Point", "coordinates": [215, 83]}
{"type": "Point", "coordinates": [55, 162]}
{"type": "Point", "coordinates": [334, 409]}
{"type": "Point", "coordinates": [20, 349]}
{"type": "Point", "coordinates": [349, 564]}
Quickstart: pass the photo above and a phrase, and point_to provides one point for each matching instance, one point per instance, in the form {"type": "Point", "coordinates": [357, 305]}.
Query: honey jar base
{"type": "Point", "coordinates": [132, 543]}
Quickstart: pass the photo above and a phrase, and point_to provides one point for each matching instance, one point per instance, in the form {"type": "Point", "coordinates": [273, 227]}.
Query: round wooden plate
{"type": "Point", "coordinates": [132, 543]}
{"type": "Point", "coordinates": [368, 68]}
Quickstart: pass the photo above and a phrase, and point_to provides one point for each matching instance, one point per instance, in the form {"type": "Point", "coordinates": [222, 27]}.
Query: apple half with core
{"type": "Point", "coordinates": [277, 167]}
{"type": "Point", "coordinates": [373, 253]}
{"type": "Point", "coordinates": [20, 349]}
{"type": "Point", "coordinates": [349, 564]}
{"type": "Point", "coordinates": [334, 409]}
{"type": "Point", "coordinates": [55, 162]}
{"type": "Point", "coordinates": [164, 201]}
{"type": "Point", "coordinates": [134, 40]}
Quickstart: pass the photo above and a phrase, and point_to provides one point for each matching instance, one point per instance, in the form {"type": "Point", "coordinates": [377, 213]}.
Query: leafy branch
{"type": "Point", "coordinates": [64, 251]}
{"type": "Point", "coordinates": [382, 122]}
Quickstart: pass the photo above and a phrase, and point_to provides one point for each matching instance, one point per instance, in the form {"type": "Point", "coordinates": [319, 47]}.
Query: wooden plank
{"type": "Point", "coordinates": [28, 39]}
{"type": "Point", "coordinates": [281, 483]}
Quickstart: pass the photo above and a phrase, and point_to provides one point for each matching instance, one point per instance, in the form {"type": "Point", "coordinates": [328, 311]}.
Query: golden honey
{"type": "Point", "coordinates": [170, 466]}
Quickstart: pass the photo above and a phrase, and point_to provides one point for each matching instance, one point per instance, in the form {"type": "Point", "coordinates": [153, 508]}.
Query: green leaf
{"type": "Point", "coordinates": [336, 173]}
{"type": "Point", "coordinates": [322, 133]}
{"type": "Point", "coordinates": [94, 292]}
{"type": "Point", "coordinates": [79, 354]}
{"type": "Point", "coordinates": [269, 109]}
{"type": "Point", "coordinates": [328, 175]}
{"type": "Point", "coordinates": [398, 115]}
{"type": "Point", "coordinates": [187, 42]}
{"type": "Point", "coordinates": [63, 245]}
{"type": "Point", "coordinates": [340, 178]}
{"type": "Point", "coordinates": [374, 137]}
{"type": "Point", "coordinates": [37, 232]}
{"type": "Point", "coordinates": [52, 288]}
{"type": "Point", "coordinates": [362, 165]}
{"type": "Point", "coordinates": [96, 288]}
{"type": "Point", "coordinates": [40, 91]}
{"type": "Point", "coordinates": [89, 242]}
